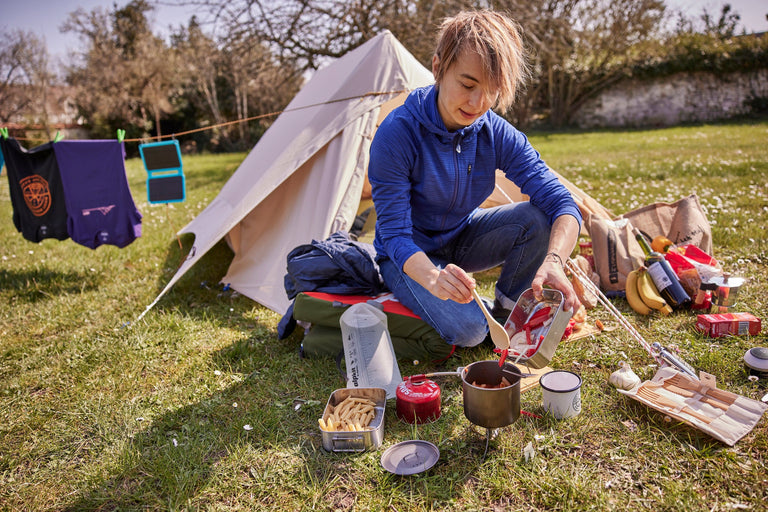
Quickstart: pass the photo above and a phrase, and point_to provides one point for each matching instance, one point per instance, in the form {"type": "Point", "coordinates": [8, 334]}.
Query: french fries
{"type": "Point", "coordinates": [352, 414]}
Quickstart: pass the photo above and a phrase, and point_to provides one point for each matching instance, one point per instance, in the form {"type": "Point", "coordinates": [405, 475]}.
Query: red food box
{"type": "Point", "coordinates": [723, 324]}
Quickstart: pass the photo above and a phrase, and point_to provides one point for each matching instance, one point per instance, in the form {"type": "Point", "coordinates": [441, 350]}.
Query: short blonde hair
{"type": "Point", "coordinates": [496, 39]}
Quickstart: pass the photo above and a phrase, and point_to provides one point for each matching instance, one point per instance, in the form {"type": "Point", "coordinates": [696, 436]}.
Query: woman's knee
{"type": "Point", "coordinates": [537, 221]}
{"type": "Point", "coordinates": [463, 331]}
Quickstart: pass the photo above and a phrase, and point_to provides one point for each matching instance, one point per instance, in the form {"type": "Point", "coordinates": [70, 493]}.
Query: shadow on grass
{"type": "Point", "coordinates": [242, 437]}
{"type": "Point", "coordinates": [31, 286]}
{"type": "Point", "coordinates": [266, 451]}
{"type": "Point", "coordinates": [200, 285]}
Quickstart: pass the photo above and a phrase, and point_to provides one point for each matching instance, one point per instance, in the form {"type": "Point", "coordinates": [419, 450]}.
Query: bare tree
{"type": "Point", "coordinates": [24, 79]}
{"type": "Point", "coordinates": [201, 63]}
{"type": "Point", "coordinates": [725, 25]}
{"type": "Point", "coordinates": [581, 47]}
{"type": "Point", "coordinates": [126, 74]}
{"type": "Point", "coordinates": [578, 47]}
{"type": "Point", "coordinates": [260, 85]}
{"type": "Point", "coordinates": [308, 32]}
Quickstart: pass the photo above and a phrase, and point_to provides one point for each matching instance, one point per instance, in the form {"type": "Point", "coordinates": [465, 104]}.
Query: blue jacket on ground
{"type": "Point", "coordinates": [428, 182]}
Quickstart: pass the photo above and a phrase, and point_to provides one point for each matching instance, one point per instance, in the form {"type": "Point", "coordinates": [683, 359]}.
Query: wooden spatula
{"type": "Point", "coordinates": [498, 333]}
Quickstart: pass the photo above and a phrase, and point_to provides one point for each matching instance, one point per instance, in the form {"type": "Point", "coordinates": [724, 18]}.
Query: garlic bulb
{"type": "Point", "coordinates": [624, 378]}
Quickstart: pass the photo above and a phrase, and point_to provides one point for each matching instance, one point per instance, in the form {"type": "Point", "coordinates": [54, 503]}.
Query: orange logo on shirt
{"type": "Point", "coordinates": [36, 193]}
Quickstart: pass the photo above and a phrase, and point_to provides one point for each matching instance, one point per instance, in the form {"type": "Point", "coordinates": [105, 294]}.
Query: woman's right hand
{"type": "Point", "coordinates": [449, 283]}
{"type": "Point", "coordinates": [452, 283]}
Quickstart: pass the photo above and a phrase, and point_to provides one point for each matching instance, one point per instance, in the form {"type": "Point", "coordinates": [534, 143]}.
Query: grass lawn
{"type": "Point", "coordinates": [199, 406]}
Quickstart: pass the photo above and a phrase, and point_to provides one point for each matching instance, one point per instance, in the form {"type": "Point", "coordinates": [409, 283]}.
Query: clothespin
{"type": "Point", "coordinates": [58, 137]}
{"type": "Point", "coordinates": [4, 132]}
{"type": "Point", "coordinates": [120, 135]}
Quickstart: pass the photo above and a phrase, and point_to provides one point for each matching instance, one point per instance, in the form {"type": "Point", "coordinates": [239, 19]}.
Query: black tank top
{"type": "Point", "coordinates": [37, 194]}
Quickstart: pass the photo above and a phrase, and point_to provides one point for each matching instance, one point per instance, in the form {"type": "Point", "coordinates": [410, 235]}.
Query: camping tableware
{"type": "Point", "coordinates": [418, 400]}
{"type": "Point", "coordinates": [491, 407]}
{"type": "Point", "coordinates": [756, 361]}
{"type": "Point", "coordinates": [337, 441]}
{"type": "Point", "coordinates": [410, 457]}
{"type": "Point", "coordinates": [665, 401]}
{"type": "Point", "coordinates": [498, 333]}
{"type": "Point", "coordinates": [561, 393]}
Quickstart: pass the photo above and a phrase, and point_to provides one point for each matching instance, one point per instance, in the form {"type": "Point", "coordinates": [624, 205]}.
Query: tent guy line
{"type": "Point", "coordinates": [248, 119]}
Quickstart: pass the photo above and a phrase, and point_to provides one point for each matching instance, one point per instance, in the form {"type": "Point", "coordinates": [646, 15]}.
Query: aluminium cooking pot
{"type": "Point", "coordinates": [491, 407]}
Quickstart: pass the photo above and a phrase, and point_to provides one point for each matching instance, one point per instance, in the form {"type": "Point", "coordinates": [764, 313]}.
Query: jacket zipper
{"type": "Point", "coordinates": [456, 153]}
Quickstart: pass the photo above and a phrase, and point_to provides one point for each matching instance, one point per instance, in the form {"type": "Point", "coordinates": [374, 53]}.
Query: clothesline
{"type": "Point", "coordinates": [246, 120]}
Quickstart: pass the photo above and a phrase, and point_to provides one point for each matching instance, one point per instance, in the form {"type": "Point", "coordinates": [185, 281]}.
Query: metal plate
{"type": "Point", "coordinates": [410, 457]}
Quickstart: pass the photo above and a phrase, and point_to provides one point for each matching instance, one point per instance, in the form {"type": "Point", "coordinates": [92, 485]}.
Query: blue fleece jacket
{"type": "Point", "coordinates": [427, 182]}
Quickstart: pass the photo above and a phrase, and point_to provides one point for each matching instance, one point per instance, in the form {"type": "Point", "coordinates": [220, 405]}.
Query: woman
{"type": "Point", "coordinates": [433, 162]}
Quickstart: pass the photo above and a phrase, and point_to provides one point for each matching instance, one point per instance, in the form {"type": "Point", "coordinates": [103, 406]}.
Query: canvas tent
{"type": "Point", "coordinates": [303, 179]}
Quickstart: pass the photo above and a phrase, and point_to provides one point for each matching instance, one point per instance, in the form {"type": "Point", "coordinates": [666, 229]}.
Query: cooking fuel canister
{"type": "Point", "coordinates": [418, 400]}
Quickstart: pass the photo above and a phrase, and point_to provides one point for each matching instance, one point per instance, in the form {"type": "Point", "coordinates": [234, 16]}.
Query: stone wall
{"type": "Point", "coordinates": [667, 101]}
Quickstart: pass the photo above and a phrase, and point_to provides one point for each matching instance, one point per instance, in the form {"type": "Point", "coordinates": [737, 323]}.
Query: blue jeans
{"type": "Point", "coordinates": [515, 236]}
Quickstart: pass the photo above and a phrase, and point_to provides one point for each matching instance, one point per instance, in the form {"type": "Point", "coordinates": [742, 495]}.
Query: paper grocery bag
{"type": "Point", "coordinates": [683, 222]}
{"type": "Point", "coordinates": [615, 251]}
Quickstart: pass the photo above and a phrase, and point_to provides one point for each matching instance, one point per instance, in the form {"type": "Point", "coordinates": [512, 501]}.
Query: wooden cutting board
{"type": "Point", "coordinates": [586, 330]}
{"type": "Point", "coordinates": [532, 382]}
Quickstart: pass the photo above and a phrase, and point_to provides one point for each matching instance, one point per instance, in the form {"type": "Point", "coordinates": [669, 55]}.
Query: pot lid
{"type": "Point", "coordinates": [726, 281]}
{"type": "Point", "coordinates": [410, 457]}
{"type": "Point", "coordinates": [757, 358]}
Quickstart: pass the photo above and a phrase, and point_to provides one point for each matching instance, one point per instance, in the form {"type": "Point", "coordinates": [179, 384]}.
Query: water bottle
{"type": "Point", "coordinates": [368, 351]}
{"type": "Point", "coordinates": [662, 275]}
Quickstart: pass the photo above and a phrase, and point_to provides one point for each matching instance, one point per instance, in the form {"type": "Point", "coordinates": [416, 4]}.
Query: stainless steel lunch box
{"type": "Point", "coordinates": [526, 306]}
{"type": "Point", "coordinates": [339, 441]}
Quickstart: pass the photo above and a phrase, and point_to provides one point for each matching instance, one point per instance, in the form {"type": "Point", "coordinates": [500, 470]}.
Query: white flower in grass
{"type": "Point", "coordinates": [175, 442]}
{"type": "Point", "coordinates": [217, 372]}
{"type": "Point", "coordinates": [234, 404]}
{"type": "Point", "coordinates": [247, 427]}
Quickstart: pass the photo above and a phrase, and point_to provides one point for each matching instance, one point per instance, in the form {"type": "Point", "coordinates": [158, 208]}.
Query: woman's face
{"type": "Point", "coordinates": [463, 95]}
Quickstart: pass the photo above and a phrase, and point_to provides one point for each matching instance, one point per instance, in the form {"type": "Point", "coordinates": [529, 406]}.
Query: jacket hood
{"type": "Point", "coordinates": [422, 104]}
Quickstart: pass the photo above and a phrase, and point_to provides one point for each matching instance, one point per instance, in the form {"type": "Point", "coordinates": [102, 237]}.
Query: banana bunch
{"type": "Point", "coordinates": [642, 295]}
